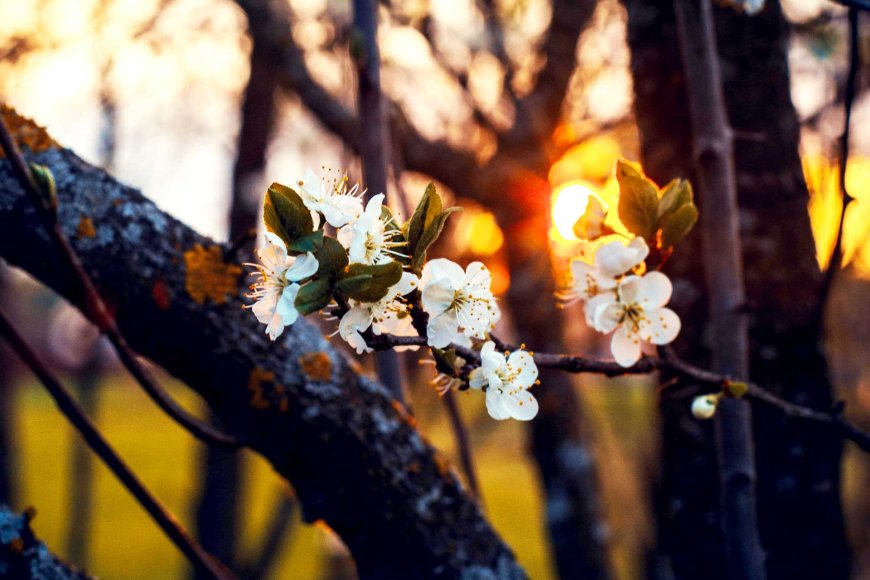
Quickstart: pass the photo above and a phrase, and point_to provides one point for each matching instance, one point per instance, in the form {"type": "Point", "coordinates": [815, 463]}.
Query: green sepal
{"type": "Point", "coordinates": [286, 215]}
{"type": "Point", "coordinates": [430, 206]}
{"type": "Point", "coordinates": [638, 201]}
{"type": "Point", "coordinates": [380, 278]}
{"type": "Point", "coordinates": [678, 224]}
{"type": "Point", "coordinates": [314, 296]}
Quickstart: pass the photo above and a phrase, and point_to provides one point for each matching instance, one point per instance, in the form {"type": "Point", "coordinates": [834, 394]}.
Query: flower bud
{"type": "Point", "coordinates": [704, 407]}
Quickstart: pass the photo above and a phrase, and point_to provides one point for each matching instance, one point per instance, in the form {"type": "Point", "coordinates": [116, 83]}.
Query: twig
{"type": "Point", "coordinates": [74, 413]}
{"type": "Point", "coordinates": [836, 260]}
{"type": "Point", "coordinates": [94, 307]}
{"type": "Point", "coordinates": [461, 433]}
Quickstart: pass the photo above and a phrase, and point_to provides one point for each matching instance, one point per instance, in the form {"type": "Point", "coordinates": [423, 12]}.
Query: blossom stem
{"type": "Point", "coordinates": [93, 306]}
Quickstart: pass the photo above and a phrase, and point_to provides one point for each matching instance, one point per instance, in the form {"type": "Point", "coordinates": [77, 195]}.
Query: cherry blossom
{"type": "Point", "coordinates": [506, 380]}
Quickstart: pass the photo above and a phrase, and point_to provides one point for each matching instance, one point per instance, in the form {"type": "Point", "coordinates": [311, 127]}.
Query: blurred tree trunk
{"type": "Point", "coordinates": [218, 517]}
{"type": "Point", "coordinates": [799, 508]}
{"type": "Point", "coordinates": [8, 463]}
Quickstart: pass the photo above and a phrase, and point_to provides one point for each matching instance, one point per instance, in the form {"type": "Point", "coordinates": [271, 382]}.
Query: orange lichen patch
{"type": "Point", "coordinates": [208, 276]}
{"type": "Point", "coordinates": [17, 545]}
{"type": "Point", "coordinates": [258, 378]}
{"type": "Point", "coordinates": [161, 295]}
{"type": "Point", "coordinates": [442, 463]}
{"type": "Point", "coordinates": [86, 228]}
{"type": "Point", "coordinates": [26, 133]}
{"type": "Point", "coordinates": [317, 366]}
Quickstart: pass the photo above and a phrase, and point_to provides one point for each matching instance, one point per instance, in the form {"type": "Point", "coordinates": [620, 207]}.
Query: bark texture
{"type": "Point", "coordinates": [354, 457]}
{"type": "Point", "coordinates": [798, 466]}
{"type": "Point", "coordinates": [24, 557]}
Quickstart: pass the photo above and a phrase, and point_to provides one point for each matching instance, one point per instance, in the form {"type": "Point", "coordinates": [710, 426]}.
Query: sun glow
{"type": "Point", "coordinates": [569, 204]}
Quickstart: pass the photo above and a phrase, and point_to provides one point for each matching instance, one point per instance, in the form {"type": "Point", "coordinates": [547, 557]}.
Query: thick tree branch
{"type": "Point", "coordinates": [353, 456]}
{"type": "Point", "coordinates": [23, 555]}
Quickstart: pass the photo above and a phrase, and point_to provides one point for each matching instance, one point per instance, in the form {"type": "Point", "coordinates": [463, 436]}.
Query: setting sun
{"type": "Point", "coordinates": [569, 205]}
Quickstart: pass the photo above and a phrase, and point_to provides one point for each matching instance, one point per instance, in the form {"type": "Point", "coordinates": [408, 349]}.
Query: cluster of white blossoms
{"type": "Point", "coordinates": [618, 300]}
{"type": "Point", "coordinates": [507, 379]}
{"type": "Point", "coordinates": [459, 303]}
{"type": "Point", "coordinates": [276, 289]}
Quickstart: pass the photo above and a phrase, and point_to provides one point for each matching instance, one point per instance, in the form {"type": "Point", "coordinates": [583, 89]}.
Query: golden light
{"type": "Point", "coordinates": [569, 204]}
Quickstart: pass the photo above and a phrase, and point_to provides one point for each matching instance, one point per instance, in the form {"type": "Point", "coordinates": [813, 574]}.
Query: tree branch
{"type": "Point", "coordinates": [23, 556]}
{"type": "Point", "coordinates": [353, 456]}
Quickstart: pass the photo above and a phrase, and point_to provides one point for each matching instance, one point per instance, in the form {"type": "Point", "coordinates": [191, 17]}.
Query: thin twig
{"type": "Point", "coordinates": [836, 260]}
{"type": "Point", "coordinates": [667, 360]}
{"type": "Point", "coordinates": [92, 436]}
{"type": "Point", "coordinates": [94, 307]}
{"type": "Point", "coordinates": [466, 458]}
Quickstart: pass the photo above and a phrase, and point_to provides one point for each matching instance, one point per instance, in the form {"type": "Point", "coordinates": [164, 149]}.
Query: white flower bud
{"type": "Point", "coordinates": [704, 407]}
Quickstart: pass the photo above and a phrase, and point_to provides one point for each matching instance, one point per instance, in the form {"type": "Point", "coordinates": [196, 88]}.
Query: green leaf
{"type": "Point", "coordinates": [638, 201]}
{"type": "Point", "coordinates": [332, 258]}
{"type": "Point", "coordinates": [678, 224]}
{"type": "Point", "coordinates": [427, 210]}
{"type": "Point", "coordinates": [381, 277]}
{"type": "Point", "coordinates": [674, 196]}
{"type": "Point", "coordinates": [285, 214]}
{"type": "Point", "coordinates": [429, 236]}
{"type": "Point", "coordinates": [353, 285]}
{"type": "Point", "coordinates": [314, 296]}
{"type": "Point", "coordinates": [307, 243]}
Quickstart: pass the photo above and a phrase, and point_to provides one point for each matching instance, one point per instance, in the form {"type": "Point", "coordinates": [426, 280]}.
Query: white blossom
{"type": "Point", "coordinates": [275, 290]}
{"type": "Point", "coordinates": [636, 313]}
{"type": "Point", "coordinates": [329, 195]}
{"type": "Point", "coordinates": [610, 262]}
{"type": "Point", "coordinates": [506, 380]}
{"type": "Point", "coordinates": [389, 315]}
{"type": "Point", "coordinates": [369, 239]}
{"type": "Point", "coordinates": [457, 301]}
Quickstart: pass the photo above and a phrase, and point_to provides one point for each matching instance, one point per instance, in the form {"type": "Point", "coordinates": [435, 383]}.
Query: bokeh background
{"type": "Point", "coordinates": [152, 90]}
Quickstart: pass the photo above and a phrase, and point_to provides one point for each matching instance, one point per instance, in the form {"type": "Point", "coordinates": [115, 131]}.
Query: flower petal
{"type": "Point", "coordinates": [631, 289]}
{"type": "Point", "coordinates": [442, 329]}
{"type": "Point", "coordinates": [625, 347]}
{"type": "Point", "coordinates": [264, 308]}
{"type": "Point", "coordinates": [443, 268]}
{"type": "Point", "coordinates": [592, 305]}
{"type": "Point", "coordinates": [655, 291]}
{"type": "Point", "coordinates": [607, 316]}
{"type": "Point", "coordinates": [663, 326]}
{"type": "Point", "coordinates": [520, 404]}
{"type": "Point", "coordinates": [478, 275]}
{"type": "Point", "coordinates": [522, 363]}
{"type": "Point", "coordinates": [495, 405]}
{"type": "Point", "coordinates": [303, 266]}
{"type": "Point", "coordinates": [437, 296]}
{"type": "Point", "coordinates": [286, 304]}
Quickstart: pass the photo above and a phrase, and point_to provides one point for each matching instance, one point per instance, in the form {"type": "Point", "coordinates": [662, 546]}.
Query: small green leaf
{"type": "Point", "coordinates": [314, 296]}
{"type": "Point", "coordinates": [737, 389]}
{"type": "Point", "coordinates": [429, 236]}
{"type": "Point", "coordinates": [429, 207]}
{"type": "Point", "coordinates": [307, 243]}
{"type": "Point", "coordinates": [678, 224]}
{"type": "Point", "coordinates": [638, 201]}
{"type": "Point", "coordinates": [675, 195]}
{"type": "Point", "coordinates": [285, 214]}
{"type": "Point", "coordinates": [381, 278]}
{"type": "Point", "coordinates": [332, 258]}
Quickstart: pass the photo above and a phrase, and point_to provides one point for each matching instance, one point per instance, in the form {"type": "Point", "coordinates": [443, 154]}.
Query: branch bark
{"type": "Point", "coordinates": [353, 456]}
{"type": "Point", "coordinates": [23, 555]}
{"type": "Point", "coordinates": [723, 267]}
